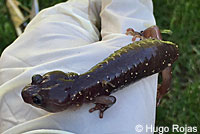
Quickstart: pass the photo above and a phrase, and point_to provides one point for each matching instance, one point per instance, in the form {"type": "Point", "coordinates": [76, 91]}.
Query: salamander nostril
{"type": "Point", "coordinates": [37, 99]}
{"type": "Point", "coordinates": [36, 79]}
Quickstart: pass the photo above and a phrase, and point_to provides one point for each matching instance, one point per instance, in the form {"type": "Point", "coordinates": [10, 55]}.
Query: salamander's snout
{"type": "Point", "coordinates": [27, 93]}
{"type": "Point", "coordinates": [25, 96]}
{"type": "Point", "coordinates": [50, 91]}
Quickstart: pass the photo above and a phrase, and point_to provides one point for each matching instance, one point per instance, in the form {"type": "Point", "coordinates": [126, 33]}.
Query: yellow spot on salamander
{"type": "Point", "coordinates": [131, 73]}
{"type": "Point", "coordinates": [77, 105]}
{"type": "Point", "coordinates": [80, 93]}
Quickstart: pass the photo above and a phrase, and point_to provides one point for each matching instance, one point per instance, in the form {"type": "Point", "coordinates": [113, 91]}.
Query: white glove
{"type": "Point", "coordinates": [65, 37]}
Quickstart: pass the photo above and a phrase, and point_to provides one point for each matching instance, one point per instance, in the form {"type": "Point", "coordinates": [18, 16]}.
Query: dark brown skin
{"type": "Point", "coordinates": [154, 32]}
{"type": "Point", "coordinates": [56, 91]}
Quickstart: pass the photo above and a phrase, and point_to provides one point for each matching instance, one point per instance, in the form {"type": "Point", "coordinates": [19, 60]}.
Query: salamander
{"type": "Point", "coordinates": [57, 91]}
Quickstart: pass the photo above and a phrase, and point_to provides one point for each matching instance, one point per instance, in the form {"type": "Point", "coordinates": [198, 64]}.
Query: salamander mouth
{"type": "Point", "coordinates": [52, 107]}
{"type": "Point", "coordinates": [53, 110]}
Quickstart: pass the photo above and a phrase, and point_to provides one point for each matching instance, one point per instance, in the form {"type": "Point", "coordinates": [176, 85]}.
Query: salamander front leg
{"type": "Point", "coordinates": [165, 85]}
{"type": "Point", "coordinates": [102, 103]}
{"type": "Point", "coordinates": [135, 34]}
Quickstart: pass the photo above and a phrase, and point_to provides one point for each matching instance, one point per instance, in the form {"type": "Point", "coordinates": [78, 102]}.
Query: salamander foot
{"type": "Point", "coordinates": [102, 104]}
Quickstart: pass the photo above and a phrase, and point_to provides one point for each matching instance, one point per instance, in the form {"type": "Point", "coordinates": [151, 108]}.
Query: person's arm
{"type": "Point", "coordinates": [63, 38]}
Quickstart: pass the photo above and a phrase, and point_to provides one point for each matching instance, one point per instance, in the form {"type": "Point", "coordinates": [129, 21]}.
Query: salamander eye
{"type": "Point", "coordinates": [36, 79]}
{"type": "Point", "coordinates": [37, 99]}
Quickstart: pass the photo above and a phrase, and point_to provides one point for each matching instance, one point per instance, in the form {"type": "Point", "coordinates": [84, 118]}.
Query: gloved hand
{"type": "Point", "coordinates": [66, 37]}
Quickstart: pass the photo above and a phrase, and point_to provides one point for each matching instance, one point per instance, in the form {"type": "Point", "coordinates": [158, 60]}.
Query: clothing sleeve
{"type": "Point", "coordinates": [66, 37]}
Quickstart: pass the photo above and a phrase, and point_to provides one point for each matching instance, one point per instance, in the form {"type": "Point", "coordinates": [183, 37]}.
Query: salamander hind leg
{"type": "Point", "coordinates": [163, 88]}
{"type": "Point", "coordinates": [102, 104]}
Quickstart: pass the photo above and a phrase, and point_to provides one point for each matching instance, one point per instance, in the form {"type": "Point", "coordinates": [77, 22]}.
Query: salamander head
{"type": "Point", "coordinates": [50, 92]}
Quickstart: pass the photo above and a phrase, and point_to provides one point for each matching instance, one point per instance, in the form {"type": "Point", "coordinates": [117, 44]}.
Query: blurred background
{"type": "Point", "coordinates": [182, 105]}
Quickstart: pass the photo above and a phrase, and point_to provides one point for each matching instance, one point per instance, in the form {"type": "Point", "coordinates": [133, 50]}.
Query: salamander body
{"type": "Point", "coordinates": [56, 91]}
